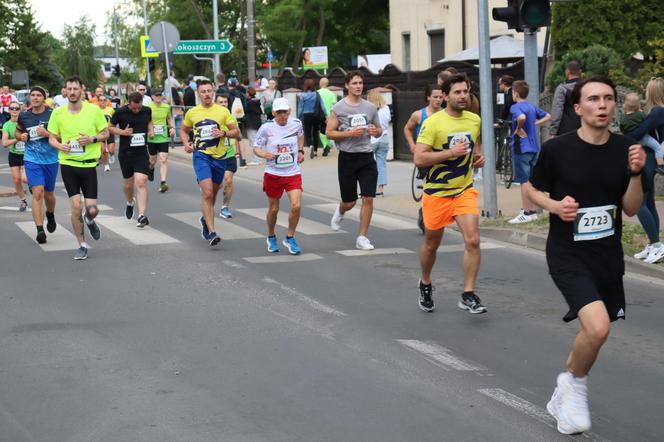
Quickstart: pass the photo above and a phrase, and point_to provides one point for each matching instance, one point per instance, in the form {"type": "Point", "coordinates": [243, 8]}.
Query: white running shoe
{"type": "Point", "coordinates": [336, 219]}
{"type": "Point", "coordinates": [569, 405]}
{"type": "Point", "coordinates": [656, 253]}
{"type": "Point", "coordinates": [523, 218]}
{"type": "Point", "coordinates": [107, 168]}
{"type": "Point", "coordinates": [643, 254]}
{"type": "Point", "coordinates": [363, 243]}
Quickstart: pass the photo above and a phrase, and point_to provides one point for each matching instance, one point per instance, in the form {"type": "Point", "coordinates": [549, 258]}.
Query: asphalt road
{"type": "Point", "coordinates": [157, 337]}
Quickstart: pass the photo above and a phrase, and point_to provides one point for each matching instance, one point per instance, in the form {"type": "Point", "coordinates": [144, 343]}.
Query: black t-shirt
{"type": "Point", "coordinates": [189, 97]}
{"type": "Point", "coordinates": [596, 176]}
{"type": "Point", "coordinates": [124, 117]}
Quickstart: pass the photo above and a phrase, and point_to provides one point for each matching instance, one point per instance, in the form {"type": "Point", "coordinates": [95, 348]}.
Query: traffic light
{"type": "Point", "coordinates": [524, 14]}
{"type": "Point", "coordinates": [116, 70]}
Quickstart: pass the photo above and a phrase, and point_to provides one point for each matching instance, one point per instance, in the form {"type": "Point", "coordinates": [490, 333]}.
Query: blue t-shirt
{"type": "Point", "coordinates": [529, 144]}
{"type": "Point", "coordinates": [37, 149]}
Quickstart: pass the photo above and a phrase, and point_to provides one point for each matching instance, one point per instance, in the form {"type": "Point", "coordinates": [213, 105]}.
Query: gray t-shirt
{"type": "Point", "coordinates": [351, 117]}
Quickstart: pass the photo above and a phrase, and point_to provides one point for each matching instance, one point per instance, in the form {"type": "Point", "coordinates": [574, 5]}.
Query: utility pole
{"type": "Point", "coordinates": [531, 65]}
{"type": "Point", "coordinates": [216, 66]}
{"type": "Point", "coordinates": [486, 102]}
{"type": "Point", "coordinates": [251, 43]}
{"type": "Point", "coordinates": [117, 50]}
{"type": "Point", "coordinates": [145, 23]}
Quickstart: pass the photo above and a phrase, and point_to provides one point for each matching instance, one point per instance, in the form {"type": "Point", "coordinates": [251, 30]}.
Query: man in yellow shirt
{"type": "Point", "coordinates": [209, 151]}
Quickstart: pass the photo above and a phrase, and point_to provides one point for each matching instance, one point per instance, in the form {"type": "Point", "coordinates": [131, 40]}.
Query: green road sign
{"type": "Point", "coordinates": [203, 47]}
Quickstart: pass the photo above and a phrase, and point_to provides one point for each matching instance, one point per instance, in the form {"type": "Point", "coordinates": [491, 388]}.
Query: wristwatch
{"type": "Point", "coordinates": [94, 140]}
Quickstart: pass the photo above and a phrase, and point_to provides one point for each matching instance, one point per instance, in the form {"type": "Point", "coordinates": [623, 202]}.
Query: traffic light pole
{"type": "Point", "coordinates": [486, 105]}
{"type": "Point", "coordinates": [145, 24]}
{"type": "Point", "coordinates": [117, 50]}
{"type": "Point", "coordinates": [531, 65]}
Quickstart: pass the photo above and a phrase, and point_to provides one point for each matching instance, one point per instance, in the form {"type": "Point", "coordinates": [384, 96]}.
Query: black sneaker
{"type": "Point", "coordinates": [41, 237]}
{"type": "Point", "coordinates": [92, 227]}
{"type": "Point", "coordinates": [129, 210]}
{"type": "Point", "coordinates": [81, 254]}
{"type": "Point", "coordinates": [151, 174]}
{"type": "Point", "coordinates": [142, 221]}
{"type": "Point", "coordinates": [214, 239]}
{"type": "Point", "coordinates": [50, 222]}
{"type": "Point", "coordinates": [472, 303]}
{"type": "Point", "coordinates": [326, 151]}
{"type": "Point", "coordinates": [426, 301]}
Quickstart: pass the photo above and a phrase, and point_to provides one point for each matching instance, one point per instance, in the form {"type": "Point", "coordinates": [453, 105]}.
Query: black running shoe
{"type": "Point", "coordinates": [50, 222]}
{"type": "Point", "coordinates": [326, 151]}
{"type": "Point", "coordinates": [129, 211]}
{"type": "Point", "coordinates": [151, 174]}
{"type": "Point", "coordinates": [214, 239]}
{"type": "Point", "coordinates": [92, 227]}
{"type": "Point", "coordinates": [142, 221]}
{"type": "Point", "coordinates": [41, 237]}
{"type": "Point", "coordinates": [472, 303]}
{"type": "Point", "coordinates": [426, 301]}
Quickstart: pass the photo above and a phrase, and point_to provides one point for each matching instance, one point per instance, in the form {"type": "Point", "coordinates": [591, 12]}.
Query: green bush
{"type": "Point", "coordinates": [595, 60]}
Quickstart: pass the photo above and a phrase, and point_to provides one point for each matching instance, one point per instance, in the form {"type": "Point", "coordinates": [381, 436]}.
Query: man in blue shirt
{"type": "Point", "coordinates": [41, 160]}
{"type": "Point", "coordinates": [525, 145]}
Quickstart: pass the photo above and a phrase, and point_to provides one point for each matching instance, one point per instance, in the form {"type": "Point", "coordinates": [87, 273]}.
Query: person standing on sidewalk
{"type": "Point", "coordinates": [381, 145]}
{"type": "Point", "coordinates": [329, 99]}
{"type": "Point", "coordinates": [307, 107]}
{"type": "Point", "coordinates": [280, 142]}
{"type": "Point", "coordinates": [563, 116]}
{"type": "Point", "coordinates": [351, 124]}
{"type": "Point", "coordinates": [584, 250]}
{"type": "Point", "coordinates": [449, 143]}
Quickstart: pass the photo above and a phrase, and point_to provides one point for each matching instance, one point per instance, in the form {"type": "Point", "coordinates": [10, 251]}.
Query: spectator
{"type": "Point", "coordinates": [268, 97]}
{"type": "Point", "coordinates": [307, 113]}
{"type": "Point", "coordinates": [381, 144]}
{"type": "Point", "coordinates": [189, 94]}
{"type": "Point", "coordinates": [563, 117]}
{"type": "Point", "coordinates": [505, 86]}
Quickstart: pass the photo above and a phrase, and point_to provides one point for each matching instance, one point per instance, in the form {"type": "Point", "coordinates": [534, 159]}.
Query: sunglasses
{"type": "Point", "coordinates": [141, 90]}
{"type": "Point", "coordinates": [157, 95]}
{"type": "Point", "coordinates": [14, 108]}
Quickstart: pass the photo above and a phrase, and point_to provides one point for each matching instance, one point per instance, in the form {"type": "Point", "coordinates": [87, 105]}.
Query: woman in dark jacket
{"type": "Point", "coordinates": [306, 112]}
{"type": "Point", "coordinates": [253, 117]}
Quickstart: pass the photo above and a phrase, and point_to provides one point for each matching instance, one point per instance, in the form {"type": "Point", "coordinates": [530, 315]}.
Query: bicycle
{"type": "Point", "coordinates": [504, 164]}
{"type": "Point", "coordinates": [417, 182]}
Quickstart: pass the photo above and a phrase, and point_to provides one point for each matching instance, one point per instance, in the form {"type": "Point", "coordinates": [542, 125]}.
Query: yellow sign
{"type": "Point", "coordinates": [147, 51]}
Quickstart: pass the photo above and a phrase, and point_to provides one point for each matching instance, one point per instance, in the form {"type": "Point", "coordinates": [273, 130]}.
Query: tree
{"type": "Point", "coordinates": [622, 25]}
{"type": "Point", "coordinates": [594, 60]}
{"type": "Point", "coordinates": [78, 56]}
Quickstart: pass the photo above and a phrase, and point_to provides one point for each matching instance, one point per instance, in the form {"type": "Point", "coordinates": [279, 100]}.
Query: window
{"type": "Point", "coordinates": [406, 51]}
{"type": "Point", "coordinates": [107, 67]}
{"type": "Point", "coordinates": [437, 45]}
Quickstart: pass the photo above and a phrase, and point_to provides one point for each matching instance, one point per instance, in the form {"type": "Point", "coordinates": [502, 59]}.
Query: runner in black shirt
{"type": "Point", "coordinates": [133, 123]}
{"type": "Point", "coordinates": [583, 251]}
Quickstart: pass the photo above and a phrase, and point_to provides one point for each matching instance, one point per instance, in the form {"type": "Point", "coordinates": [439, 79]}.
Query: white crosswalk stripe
{"type": "Point", "coordinates": [127, 229]}
{"type": "Point", "coordinates": [357, 252]}
{"type": "Point", "coordinates": [377, 220]}
{"type": "Point", "coordinates": [440, 355]}
{"type": "Point", "coordinates": [61, 239]}
{"type": "Point", "coordinates": [13, 208]}
{"type": "Point", "coordinates": [282, 257]}
{"type": "Point", "coordinates": [305, 226]}
{"type": "Point", "coordinates": [226, 229]}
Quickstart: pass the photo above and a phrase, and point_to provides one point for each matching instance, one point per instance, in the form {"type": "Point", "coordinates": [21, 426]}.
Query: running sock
{"type": "Point", "coordinates": [86, 245]}
{"type": "Point", "coordinates": [272, 236]}
{"type": "Point", "coordinates": [578, 381]}
{"type": "Point", "coordinates": [529, 212]}
{"type": "Point", "coordinates": [131, 203]}
{"type": "Point", "coordinates": [40, 229]}
{"type": "Point", "coordinates": [50, 215]}
{"type": "Point", "coordinates": [163, 182]}
{"type": "Point", "coordinates": [289, 237]}
{"type": "Point", "coordinates": [464, 294]}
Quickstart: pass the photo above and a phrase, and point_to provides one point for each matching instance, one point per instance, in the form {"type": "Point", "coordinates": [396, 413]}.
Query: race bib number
{"type": "Point", "coordinates": [19, 146]}
{"type": "Point", "coordinates": [159, 130]}
{"type": "Point", "coordinates": [594, 223]}
{"type": "Point", "coordinates": [284, 160]}
{"type": "Point", "coordinates": [205, 132]}
{"type": "Point", "coordinates": [76, 148]}
{"type": "Point", "coordinates": [460, 138]}
{"type": "Point", "coordinates": [137, 140]}
{"type": "Point", "coordinates": [32, 132]}
{"type": "Point", "coordinates": [357, 120]}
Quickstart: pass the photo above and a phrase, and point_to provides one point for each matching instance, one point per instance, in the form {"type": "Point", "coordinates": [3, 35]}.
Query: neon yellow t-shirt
{"type": "Point", "coordinates": [108, 113]}
{"type": "Point", "coordinates": [202, 120]}
{"type": "Point", "coordinates": [230, 142]}
{"type": "Point", "coordinates": [160, 121]}
{"type": "Point", "coordinates": [89, 121]}
{"type": "Point", "coordinates": [440, 131]}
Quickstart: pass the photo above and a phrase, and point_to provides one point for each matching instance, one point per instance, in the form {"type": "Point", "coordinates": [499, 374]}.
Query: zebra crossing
{"type": "Point", "coordinates": [237, 229]}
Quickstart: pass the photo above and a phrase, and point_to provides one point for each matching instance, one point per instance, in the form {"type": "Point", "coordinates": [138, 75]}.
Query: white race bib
{"type": "Point", "coordinates": [159, 130]}
{"type": "Point", "coordinates": [32, 132]}
{"type": "Point", "coordinates": [19, 146]}
{"type": "Point", "coordinates": [284, 160]}
{"type": "Point", "coordinates": [460, 138]}
{"type": "Point", "coordinates": [594, 223]}
{"type": "Point", "coordinates": [76, 148]}
{"type": "Point", "coordinates": [205, 132]}
{"type": "Point", "coordinates": [358, 120]}
{"type": "Point", "coordinates": [137, 140]}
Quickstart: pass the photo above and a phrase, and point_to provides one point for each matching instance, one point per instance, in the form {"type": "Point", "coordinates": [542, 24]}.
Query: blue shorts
{"type": "Point", "coordinates": [231, 164]}
{"type": "Point", "coordinates": [207, 167]}
{"type": "Point", "coordinates": [523, 166]}
{"type": "Point", "coordinates": [41, 175]}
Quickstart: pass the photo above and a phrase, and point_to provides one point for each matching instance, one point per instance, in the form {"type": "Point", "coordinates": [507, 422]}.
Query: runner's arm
{"type": "Point", "coordinates": [54, 140]}
{"type": "Point", "coordinates": [184, 136]}
{"type": "Point", "coordinates": [409, 130]}
{"type": "Point", "coordinates": [6, 141]}
{"type": "Point", "coordinates": [113, 129]}
{"type": "Point", "coordinates": [334, 134]}
{"type": "Point", "coordinates": [425, 156]}
{"type": "Point", "coordinates": [233, 131]}
{"type": "Point", "coordinates": [565, 208]}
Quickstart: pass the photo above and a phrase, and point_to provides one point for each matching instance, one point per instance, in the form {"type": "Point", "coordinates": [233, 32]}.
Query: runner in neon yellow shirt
{"type": "Point", "coordinates": [159, 142]}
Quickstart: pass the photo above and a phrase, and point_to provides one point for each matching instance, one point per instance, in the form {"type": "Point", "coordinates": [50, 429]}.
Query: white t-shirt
{"type": "Point", "coordinates": [146, 100]}
{"type": "Point", "coordinates": [282, 141]}
{"type": "Point", "coordinates": [59, 100]}
{"type": "Point", "coordinates": [385, 117]}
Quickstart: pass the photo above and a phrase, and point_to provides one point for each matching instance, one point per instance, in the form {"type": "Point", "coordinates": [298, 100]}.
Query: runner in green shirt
{"type": "Point", "coordinates": [231, 163]}
{"type": "Point", "coordinates": [15, 157]}
{"type": "Point", "coordinates": [159, 141]}
{"type": "Point", "coordinates": [329, 99]}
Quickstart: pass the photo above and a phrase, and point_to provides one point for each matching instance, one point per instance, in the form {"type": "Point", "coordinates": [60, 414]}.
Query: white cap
{"type": "Point", "coordinates": [280, 104]}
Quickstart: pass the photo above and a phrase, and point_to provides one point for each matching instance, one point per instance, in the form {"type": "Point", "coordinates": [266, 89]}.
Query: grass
{"type": "Point", "coordinates": [634, 238]}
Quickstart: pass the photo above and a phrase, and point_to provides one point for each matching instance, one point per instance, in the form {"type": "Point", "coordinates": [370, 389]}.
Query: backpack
{"type": "Point", "coordinates": [569, 120]}
{"type": "Point", "coordinates": [237, 109]}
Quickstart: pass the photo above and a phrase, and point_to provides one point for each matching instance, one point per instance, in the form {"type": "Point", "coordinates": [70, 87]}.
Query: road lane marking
{"type": "Point", "coordinates": [226, 229]}
{"type": "Point", "coordinates": [304, 298]}
{"type": "Point", "coordinates": [385, 222]}
{"type": "Point", "coordinates": [282, 257]}
{"type": "Point", "coordinates": [61, 239]}
{"type": "Point", "coordinates": [304, 226]}
{"type": "Point", "coordinates": [127, 229]}
{"type": "Point", "coordinates": [13, 209]}
{"type": "Point", "coordinates": [357, 252]}
{"type": "Point", "coordinates": [440, 356]}
{"type": "Point", "coordinates": [460, 247]}
{"type": "Point", "coordinates": [531, 410]}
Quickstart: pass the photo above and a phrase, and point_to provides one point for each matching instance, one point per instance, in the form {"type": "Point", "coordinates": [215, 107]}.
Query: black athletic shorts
{"type": "Point", "coordinates": [134, 162]}
{"type": "Point", "coordinates": [80, 180]}
{"type": "Point", "coordinates": [356, 168]}
{"type": "Point", "coordinates": [231, 164]}
{"type": "Point", "coordinates": [155, 148]}
{"type": "Point", "coordinates": [15, 160]}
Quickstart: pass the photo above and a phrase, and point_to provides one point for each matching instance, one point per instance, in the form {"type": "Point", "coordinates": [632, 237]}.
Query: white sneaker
{"type": "Point", "coordinates": [643, 254]}
{"type": "Point", "coordinates": [656, 253]}
{"type": "Point", "coordinates": [107, 168]}
{"type": "Point", "coordinates": [336, 219]}
{"type": "Point", "coordinates": [569, 405]}
{"type": "Point", "coordinates": [523, 218]}
{"type": "Point", "coordinates": [363, 243]}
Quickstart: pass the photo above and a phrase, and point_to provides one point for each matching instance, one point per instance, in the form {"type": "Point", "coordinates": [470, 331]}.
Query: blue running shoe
{"type": "Point", "coordinates": [225, 213]}
{"type": "Point", "coordinates": [205, 233]}
{"type": "Point", "coordinates": [291, 245]}
{"type": "Point", "coordinates": [214, 239]}
{"type": "Point", "coordinates": [272, 244]}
